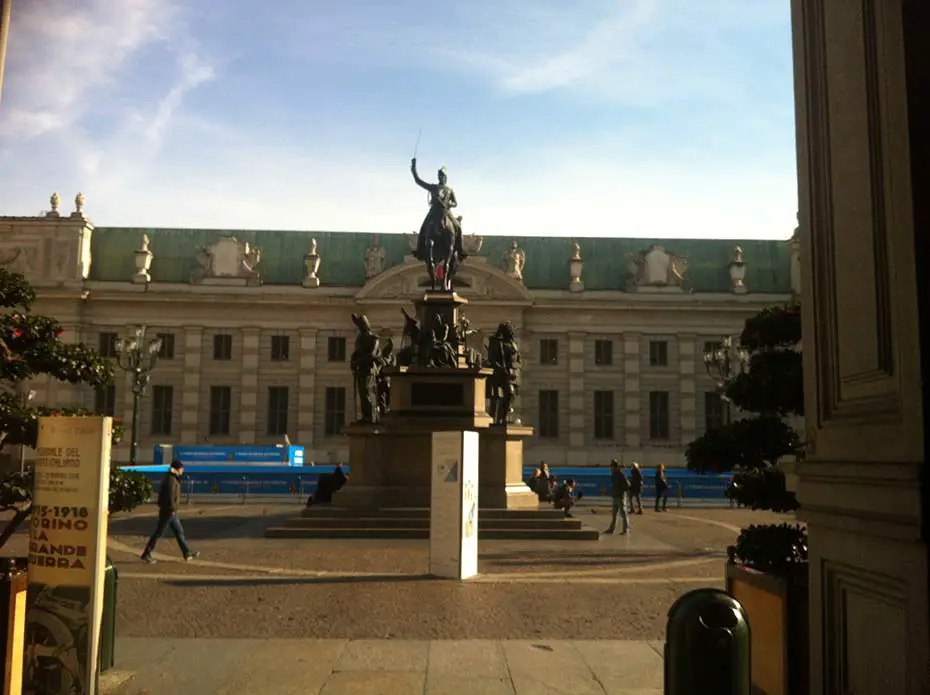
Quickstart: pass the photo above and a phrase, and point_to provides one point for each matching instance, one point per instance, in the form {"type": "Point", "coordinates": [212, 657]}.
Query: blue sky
{"type": "Point", "coordinates": [554, 117]}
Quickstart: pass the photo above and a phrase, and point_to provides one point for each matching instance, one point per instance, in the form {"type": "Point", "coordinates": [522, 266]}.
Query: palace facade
{"type": "Point", "coordinates": [256, 329]}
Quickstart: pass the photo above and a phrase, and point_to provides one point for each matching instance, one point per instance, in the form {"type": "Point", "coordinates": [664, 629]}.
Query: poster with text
{"type": "Point", "coordinates": [67, 554]}
{"type": "Point", "coordinates": [445, 525]}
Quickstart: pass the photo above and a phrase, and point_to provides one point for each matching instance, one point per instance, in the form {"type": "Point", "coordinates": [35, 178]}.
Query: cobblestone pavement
{"type": "Point", "coordinates": [246, 586]}
{"type": "Point", "coordinates": [396, 667]}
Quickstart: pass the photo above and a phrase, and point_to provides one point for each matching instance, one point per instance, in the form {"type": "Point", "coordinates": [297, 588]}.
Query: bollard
{"type": "Point", "coordinates": [679, 494]}
{"type": "Point", "coordinates": [707, 645]}
{"type": "Point", "coordinates": [190, 490]}
{"type": "Point", "coordinates": [245, 488]}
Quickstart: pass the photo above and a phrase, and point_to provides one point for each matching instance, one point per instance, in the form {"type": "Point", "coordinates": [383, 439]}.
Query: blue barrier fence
{"type": "Point", "coordinates": [293, 480]}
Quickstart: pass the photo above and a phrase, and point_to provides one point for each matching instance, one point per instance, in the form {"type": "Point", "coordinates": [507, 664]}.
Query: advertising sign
{"type": "Point", "coordinates": [67, 552]}
{"type": "Point", "coordinates": [453, 533]}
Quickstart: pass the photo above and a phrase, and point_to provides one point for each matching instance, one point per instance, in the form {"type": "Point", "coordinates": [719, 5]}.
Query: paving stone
{"type": "Point", "coordinates": [548, 667]}
{"type": "Point", "coordinates": [634, 664]}
{"type": "Point", "coordinates": [285, 667]}
{"type": "Point", "coordinates": [373, 683]}
{"type": "Point", "coordinates": [478, 659]}
{"type": "Point", "coordinates": [556, 685]}
{"type": "Point", "coordinates": [384, 655]}
{"type": "Point", "coordinates": [452, 685]}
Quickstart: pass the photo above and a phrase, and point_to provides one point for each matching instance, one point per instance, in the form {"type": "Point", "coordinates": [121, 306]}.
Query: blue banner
{"type": "Point", "coordinates": [230, 455]}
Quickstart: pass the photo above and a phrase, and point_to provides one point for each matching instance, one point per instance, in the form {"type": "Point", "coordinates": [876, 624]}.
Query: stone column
{"type": "Point", "coordinates": [248, 397]}
{"type": "Point", "coordinates": [190, 391]}
{"type": "Point", "coordinates": [577, 397]}
{"type": "Point", "coordinates": [306, 391]}
{"type": "Point", "coordinates": [687, 389]}
{"type": "Point", "coordinates": [632, 407]}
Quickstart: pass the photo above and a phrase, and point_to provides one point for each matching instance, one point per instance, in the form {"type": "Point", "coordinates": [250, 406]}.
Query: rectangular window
{"type": "Point", "coordinates": [222, 346]}
{"type": "Point", "coordinates": [336, 349]}
{"type": "Point", "coordinates": [716, 411]}
{"type": "Point", "coordinates": [658, 415]}
{"type": "Point", "coordinates": [278, 402]}
{"type": "Point", "coordinates": [658, 353]}
{"type": "Point", "coordinates": [603, 414]}
{"type": "Point", "coordinates": [105, 400]}
{"type": "Point", "coordinates": [603, 352]}
{"type": "Point", "coordinates": [166, 351]}
{"type": "Point", "coordinates": [220, 409]}
{"type": "Point", "coordinates": [280, 348]}
{"type": "Point", "coordinates": [334, 415]}
{"type": "Point", "coordinates": [548, 351]}
{"type": "Point", "coordinates": [711, 346]}
{"type": "Point", "coordinates": [107, 344]}
{"type": "Point", "coordinates": [162, 407]}
{"type": "Point", "coordinates": [548, 414]}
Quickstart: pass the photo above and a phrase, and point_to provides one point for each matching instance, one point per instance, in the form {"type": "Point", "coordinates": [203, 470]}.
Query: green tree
{"type": "Point", "coordinates": [31, 347]}
{"type": "Point", "coordinates": [769, 390]}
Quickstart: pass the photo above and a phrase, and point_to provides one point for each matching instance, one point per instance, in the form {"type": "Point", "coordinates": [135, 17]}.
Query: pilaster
{"type": "Point", "coordinates": [306, 390]}
{"type": "Point", "coordinates": [687, 388]}
{"type": "Point", "coordinates": [248, 386]}
{"type": "Point", "coordinates": [631, 402]}
{"type": "Point", "coordinates": [190, 392]}
{"type": "Point", "coordinates": [576, 391]}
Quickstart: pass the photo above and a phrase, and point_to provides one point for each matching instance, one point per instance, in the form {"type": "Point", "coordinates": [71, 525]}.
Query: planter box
{"type": "Point", "coordinates": [777, 607]}
{"type": "Point", "coordinates": [13, 622]}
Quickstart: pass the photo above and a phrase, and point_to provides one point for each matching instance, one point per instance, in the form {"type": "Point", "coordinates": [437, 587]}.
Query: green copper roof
{"type": "Point", "coordinates": [343, 253]}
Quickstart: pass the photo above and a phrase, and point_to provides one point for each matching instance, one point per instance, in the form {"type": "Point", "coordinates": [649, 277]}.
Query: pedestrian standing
{"type": "Point", "coordinates": [636, 488]}
{"type": "Point", "coordinates": [619, 489]}
{"type": "Point", "coordinates": [661, 489]}
{"type": "Point", "coordinates": [169, 499]}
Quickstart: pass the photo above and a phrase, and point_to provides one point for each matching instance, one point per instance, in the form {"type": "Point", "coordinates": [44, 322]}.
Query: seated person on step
{"type": "Point", "coordinates": [565, 496]}
{"type": "Point", "coordinates": [328, 484]}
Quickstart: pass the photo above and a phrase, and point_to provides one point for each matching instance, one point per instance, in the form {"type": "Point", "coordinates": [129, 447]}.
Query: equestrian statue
{"type": "Point", "coordinates": [439, 244]}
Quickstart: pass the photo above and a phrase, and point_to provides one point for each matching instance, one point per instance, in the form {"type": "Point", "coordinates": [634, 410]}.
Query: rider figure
{"type": "Point", "coordinates": [441, 201]}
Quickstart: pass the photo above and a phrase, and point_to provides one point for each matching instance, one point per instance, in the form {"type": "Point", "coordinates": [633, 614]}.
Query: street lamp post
{"type": "Point", "coordinates": [138, 356]}
{"type": "Point", "coordinates": [725, 362]}
{"type": "Point", "coordinates": [5, 12]}
{"type": "Point", "coordinates": [27, 397]}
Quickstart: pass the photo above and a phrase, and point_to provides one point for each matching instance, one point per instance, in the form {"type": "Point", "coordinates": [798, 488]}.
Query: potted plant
{"type": "Point", "coordinates": [766, 568]}
{"type": "Point", "coordinates": [31, 347]}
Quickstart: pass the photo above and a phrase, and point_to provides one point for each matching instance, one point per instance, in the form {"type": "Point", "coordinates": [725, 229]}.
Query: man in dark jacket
{"type": "Point", "coordinates": [169, 499]}
{"type": "Point", "coordinates": [636, 488]}
{"type": "Point", "coordinates": [620, 487]}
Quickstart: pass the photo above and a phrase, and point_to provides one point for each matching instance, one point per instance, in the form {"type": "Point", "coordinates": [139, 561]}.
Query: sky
{"type": "Point", "coordinates": [620, 118]}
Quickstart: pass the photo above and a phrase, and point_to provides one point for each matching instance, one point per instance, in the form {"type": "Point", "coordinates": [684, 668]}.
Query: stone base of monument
{"type": "Point", "coordinates": [397, 523]}
{"type": "Point", "coordinates": [389, 490]}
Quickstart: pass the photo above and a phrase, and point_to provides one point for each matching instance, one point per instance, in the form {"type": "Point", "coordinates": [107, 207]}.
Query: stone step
{"type": "Point", "coordinates": [549, 534]}
{"type": "Point", "coordinates": [423, 513]}
{"type": "Point", "coordinates": [325, 521]}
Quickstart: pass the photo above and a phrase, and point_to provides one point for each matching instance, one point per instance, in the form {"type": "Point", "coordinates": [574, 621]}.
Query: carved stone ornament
{"type": "Point", "coordinates": [655, 269]}
{"type": "Point", "coordinates": [575, 266]}
{"type": "Point", "coordinates": [55, 202]}
{"type": "Point", "coordinates": [312, 264]}
{"type": "Point", "coordinates": [79, 200]}
{"type": "Point", "coordinates": [227, 261]}
{"type": "Point", "coordinates": [472, 244]}
{"type": "Point", "coordinates": [738, 272]}
{"type": "Point", "coordinates": [143, 259]}
{"type": "Point", "coordinates": [514, 260]}
{"type": "Point", "coordinates": [374, 258]}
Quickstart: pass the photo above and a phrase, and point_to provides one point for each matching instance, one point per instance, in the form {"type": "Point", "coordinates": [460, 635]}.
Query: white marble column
{"type": "Point", "coordinates": [190, 391]}
{"type": "Point", "coordinates": [248, 386]}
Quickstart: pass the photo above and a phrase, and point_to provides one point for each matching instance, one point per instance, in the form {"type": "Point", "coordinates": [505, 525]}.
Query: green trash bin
{"type": "Point", "coordinates": [707, 645]}
{"type": "Point", "coordinates": [108, 623]}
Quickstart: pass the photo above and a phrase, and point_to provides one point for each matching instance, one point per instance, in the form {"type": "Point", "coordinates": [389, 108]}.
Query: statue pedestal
{"type": "Point", "coordinates": [445, 305]}
{"type": "Point", "coordinates": [390, 462]}
{"type": "Point", "coordinates": [500, 468]}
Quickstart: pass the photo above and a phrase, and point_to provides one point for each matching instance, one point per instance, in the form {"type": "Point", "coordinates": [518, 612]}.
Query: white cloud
{"type": "Point", "coordinates": [62, 53]}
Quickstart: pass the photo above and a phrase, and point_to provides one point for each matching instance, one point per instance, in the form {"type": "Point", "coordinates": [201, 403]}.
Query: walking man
{"type": "Point", "coordinates": [620, 487]}
{"type": "Point", "coordinates": [661, 488]}
{"type": "Point", "coordinates": [636, 488]}
{"type": "Point", "coordinates": [169, 498]}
